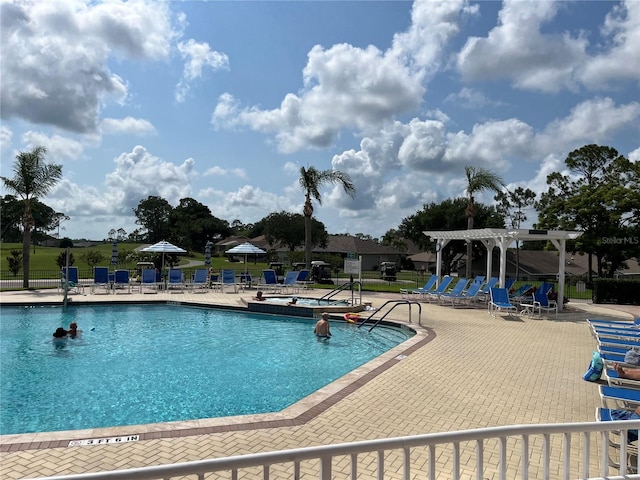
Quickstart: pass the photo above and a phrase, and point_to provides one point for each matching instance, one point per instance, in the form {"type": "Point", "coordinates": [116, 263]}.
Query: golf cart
{"type": "Point", "coordinates": [321, 272]}
{"type": "Point", "coordinates": [388, 271]}
{"type": "Point", "coordinates": [278, 267]}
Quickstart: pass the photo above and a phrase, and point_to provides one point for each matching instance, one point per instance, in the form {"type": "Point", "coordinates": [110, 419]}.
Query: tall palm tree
{"type": "Point", "coordinates": [32, 179]}
{"type": "Point", "coordinates": [311, 180]}
{"type": "Point", "coordinates": [478, 180]}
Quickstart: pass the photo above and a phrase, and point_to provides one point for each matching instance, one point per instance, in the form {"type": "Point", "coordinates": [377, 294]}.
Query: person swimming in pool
{"type": "Point", "coordinates": [293, 301]}
{"type": "Point", "coordinates": [259, 297]}
{"type": "Point", "coordinates": [323, 329]}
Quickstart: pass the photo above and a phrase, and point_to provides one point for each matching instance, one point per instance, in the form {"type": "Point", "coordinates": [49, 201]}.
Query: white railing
{"type": "Point", "coordinates": [551, 451]}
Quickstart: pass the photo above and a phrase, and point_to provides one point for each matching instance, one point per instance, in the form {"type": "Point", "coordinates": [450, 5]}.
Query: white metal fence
{"type": "Point", "coordinates": [551, 451]}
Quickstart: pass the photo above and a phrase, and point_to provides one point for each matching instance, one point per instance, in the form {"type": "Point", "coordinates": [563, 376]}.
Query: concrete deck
{"type": "Point", "coordinates": [464, 370]}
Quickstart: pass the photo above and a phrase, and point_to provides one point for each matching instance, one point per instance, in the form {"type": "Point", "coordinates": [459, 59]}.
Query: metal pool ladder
{"type": "Point", "coordinates": [393, 304]}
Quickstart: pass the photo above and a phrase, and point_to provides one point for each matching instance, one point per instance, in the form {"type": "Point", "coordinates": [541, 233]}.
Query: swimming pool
{"type": "Point", "coordinates": [139, 364]}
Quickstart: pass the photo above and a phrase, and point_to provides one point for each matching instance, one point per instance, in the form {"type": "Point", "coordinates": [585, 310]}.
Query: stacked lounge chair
{"type": "Point", "coordinates": [620, 396]}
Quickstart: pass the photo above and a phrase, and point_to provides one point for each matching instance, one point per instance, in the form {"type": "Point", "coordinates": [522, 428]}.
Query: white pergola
{"type": "Point", "coordinates": [503, 238]}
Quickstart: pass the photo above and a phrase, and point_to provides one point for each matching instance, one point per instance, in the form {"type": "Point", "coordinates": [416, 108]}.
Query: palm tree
{"type": "Point", "coordinates": [311, 180]}
{"type": "Point", "coordinates": [32, 179]}
{"type": "Point", "coordinates": [478, 179]}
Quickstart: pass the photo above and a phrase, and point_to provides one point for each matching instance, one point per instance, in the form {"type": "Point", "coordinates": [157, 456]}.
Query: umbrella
{"type": "Point", "coordinates": [207, 254]}
{"type": "Point", "coordinates": [246, 248]}
{"type": "Point", "coordinates": [163, 247]}
{"type": "Point", "coordinates": [114, 253]}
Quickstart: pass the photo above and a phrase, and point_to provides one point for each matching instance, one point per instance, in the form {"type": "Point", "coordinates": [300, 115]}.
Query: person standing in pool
{"type": "Point", "coordinates": [323, 329]}
{"type": "Point", "coordinates": [59, 338]}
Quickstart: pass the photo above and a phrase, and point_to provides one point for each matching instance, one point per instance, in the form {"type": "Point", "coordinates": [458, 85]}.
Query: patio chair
{"type": "Point", "coordinates": [269, 281]}
{"type": "Point", "coordinates": [175, 279]}
{"type": "Point", "coordinates": [149, 280]}
{"type": "Point", "coordinates": [303, 279]}
{"type": "Point", "coordinates": [121, 281]}
{"type": "Point", "coordinates": [70, 281]}
{"type": "Point", "coordinates": [442, 287]}
{"type": "Point", "coordinates": [290, 283]}
{"type": "Point", "coordinates": [499, 300]}
{"type": "Point", "coordinates": [214, 281]}
{"type": "Point", "coordinates": [228, 279]}
{"type": "Point", "coordinates": [200, 280]}
{"type": "Point", "coordinates": [542, 302]}
{"type": "Point", "coordinates": [101, 279]}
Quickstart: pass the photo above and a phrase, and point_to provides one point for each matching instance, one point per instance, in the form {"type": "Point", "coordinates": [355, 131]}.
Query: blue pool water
{"type": "Point", "coordinates": [137, 364]}
{"type": "Point", "coordinates": [306, 301]}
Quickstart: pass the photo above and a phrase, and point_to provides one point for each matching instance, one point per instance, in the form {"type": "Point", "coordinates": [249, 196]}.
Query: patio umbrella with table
{"type": "Point", "coordinates": [246, 249]}
{"type": "Point", "coordinates": [163, 247]}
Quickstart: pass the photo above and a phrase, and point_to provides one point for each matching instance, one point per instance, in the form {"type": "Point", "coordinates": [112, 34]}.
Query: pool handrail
{"type": "Point", "coordinates": [394, 304]}
{"type": "Point", "coordinates": [328, 296]}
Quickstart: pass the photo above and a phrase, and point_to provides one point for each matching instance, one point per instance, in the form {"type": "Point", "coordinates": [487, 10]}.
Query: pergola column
{"type": "Point", "coordinates": [489, 244]}
{"type": "Point", "coordinates": [562, 255]}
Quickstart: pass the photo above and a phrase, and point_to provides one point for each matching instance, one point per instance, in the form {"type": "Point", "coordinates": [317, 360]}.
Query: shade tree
{"type": "Point", "coordinates": [32, 179]}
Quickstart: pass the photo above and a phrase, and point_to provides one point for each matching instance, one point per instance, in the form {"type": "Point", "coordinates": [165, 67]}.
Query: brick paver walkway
{"type": "Point", "coordinates": [466, 370]}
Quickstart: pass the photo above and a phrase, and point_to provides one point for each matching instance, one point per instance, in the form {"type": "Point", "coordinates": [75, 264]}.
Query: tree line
{"type": "Point", "coordinates": [600, 195]}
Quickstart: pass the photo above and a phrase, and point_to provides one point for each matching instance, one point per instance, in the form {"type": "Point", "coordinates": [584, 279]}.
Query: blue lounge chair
{"type": "Point", "coordinates": [101, 279]}
{"type": "Point", "coordinates": [614, 380]}
{"type": "Point", "coordinates": [466, 297]}
{"type": "Point", "coordinates": [624, 459]}
{"type": "Point", "coordinates": [625, 342]}
{"type": "Point", "coordinates": [175, 279]}
{"type": "Point", "coordinates": [522, 293]}
{"type": "Point", "coordinates": [484, 292]}
{"type": "Point", "coordinates": [303, 279]}
{"type": "Point", "coordinates": [149, 280]}
{"type": "Point", "coordinates": [70, 280]}
{"type": "Point", "coordinates": [542, 302]}
{"type": "Point", "coordinates": [121, 281]}
{"type": "Point", "coordinates": [200, 280]}
{"type": "Point", "coordinates": [290, 282]}
{"type": "Point", "coordinates": [270, 281]}
{"type": "Point", "coordinates": [613, 323]}
{"type": "Point", "coordinates": [442, 287]}
{"type": "Point", "coordinates": [427, 287]}
{"type": "Point", "coordinates": [619, 397]}
{"type": "Point", "coordinates": [457, 289]}
{"type": "Point", "coordinates": [499, 300]}
{"type": "Point", "coordinates": [228, 279]}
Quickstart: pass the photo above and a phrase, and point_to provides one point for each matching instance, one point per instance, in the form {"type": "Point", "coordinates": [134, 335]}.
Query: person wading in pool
{"type": "Point", "coordinates": [59, 337]}
{"type": "Point", "coordinates": [323, 329]}
{"type": "Point", "coordinates": [73, 330]}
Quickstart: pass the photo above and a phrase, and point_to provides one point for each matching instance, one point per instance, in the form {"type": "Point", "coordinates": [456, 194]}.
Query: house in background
{"type": "Point", "coordinates": [372, 253]}
{"type": "Point", "coordinates": [541, 265]}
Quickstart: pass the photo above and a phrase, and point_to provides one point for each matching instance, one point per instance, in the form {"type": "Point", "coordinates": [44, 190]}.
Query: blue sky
{"type": "Point", "coordinates": [225, 101]}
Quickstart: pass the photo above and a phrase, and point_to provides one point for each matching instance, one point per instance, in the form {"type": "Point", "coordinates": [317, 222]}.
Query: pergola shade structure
{"type": "Point", "coordinates": [503, 238]}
